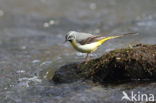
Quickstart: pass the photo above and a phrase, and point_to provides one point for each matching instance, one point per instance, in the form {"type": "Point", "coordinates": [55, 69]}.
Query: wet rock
{"type": "Point", "coordinates": [135, 63]}
{"type": "Point", "coordinates": [68, 73]}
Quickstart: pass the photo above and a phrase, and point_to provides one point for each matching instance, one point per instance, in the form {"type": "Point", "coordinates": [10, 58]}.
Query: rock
{"type": "Point", "coordinates": [136, 63]}
{"type": "Point", "coordinates": [67, 73]}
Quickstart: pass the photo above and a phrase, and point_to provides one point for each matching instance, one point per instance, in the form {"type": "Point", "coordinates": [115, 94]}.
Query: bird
{"type": "Point", "coordinates": [88, 43]}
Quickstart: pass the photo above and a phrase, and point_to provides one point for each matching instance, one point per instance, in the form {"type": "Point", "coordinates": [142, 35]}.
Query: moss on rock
{"type": "Point", "coordinates": [138, 62]}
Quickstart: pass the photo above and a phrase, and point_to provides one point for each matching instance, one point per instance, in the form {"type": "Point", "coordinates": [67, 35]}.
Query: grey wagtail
{"type": "Point", "coordinates": [88, 43]}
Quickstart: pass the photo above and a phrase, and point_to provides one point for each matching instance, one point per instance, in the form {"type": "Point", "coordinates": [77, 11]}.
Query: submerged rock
{"type": "Point", "coordinates": [136, 63]}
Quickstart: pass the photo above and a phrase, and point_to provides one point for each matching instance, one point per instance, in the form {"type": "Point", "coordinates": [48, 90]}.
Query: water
{"type": "Point", "coordinates": [31, 46]}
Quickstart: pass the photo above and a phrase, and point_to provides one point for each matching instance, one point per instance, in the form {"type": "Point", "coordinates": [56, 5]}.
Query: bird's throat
{"type": "Point", "coordinates": [73, 42]}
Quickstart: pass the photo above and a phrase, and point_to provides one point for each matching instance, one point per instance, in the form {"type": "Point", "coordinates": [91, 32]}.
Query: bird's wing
{"type": "Point", "coordinates": [91, 39]}
{"type": "Point", "coordinates": [86, 38]}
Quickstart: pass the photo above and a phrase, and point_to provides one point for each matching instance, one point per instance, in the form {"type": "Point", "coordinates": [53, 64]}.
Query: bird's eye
{"type": "Point", "coordinates": [70, 37]}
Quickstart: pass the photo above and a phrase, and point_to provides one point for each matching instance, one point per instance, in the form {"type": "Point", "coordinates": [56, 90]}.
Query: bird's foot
{"type": "Point", "coordinates": [87, 58]}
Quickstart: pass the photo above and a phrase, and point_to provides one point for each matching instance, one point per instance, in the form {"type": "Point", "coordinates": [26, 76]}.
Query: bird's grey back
{"type": "Point", "coordinates": [82, 36]}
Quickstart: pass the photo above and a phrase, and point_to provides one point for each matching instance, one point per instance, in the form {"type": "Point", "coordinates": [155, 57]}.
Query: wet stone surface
{"type": "Point", "coordinates": [31, 46]}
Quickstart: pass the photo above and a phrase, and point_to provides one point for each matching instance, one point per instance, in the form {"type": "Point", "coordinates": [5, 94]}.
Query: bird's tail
{"type": "Point", "coordinates": [113, 37]}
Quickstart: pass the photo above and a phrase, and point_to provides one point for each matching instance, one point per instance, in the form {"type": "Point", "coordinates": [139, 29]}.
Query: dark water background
{"type": "Point", "coordinates": [31, 46]}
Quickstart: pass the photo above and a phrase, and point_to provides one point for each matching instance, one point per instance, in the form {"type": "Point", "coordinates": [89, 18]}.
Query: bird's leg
{"type": "Point", "coordinates": [87, 58]}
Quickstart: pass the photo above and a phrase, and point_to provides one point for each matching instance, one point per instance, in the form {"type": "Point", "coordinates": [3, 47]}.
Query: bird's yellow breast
{"type": "Point", "coordinates": [87, 48]}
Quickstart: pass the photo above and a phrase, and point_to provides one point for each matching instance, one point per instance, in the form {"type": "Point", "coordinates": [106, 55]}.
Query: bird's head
{"type": "Point", "coordinates": [70, 36]}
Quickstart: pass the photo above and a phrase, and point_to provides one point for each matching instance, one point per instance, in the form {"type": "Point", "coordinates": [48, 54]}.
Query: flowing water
{"type": "Point", "coordinates": [31, 46]}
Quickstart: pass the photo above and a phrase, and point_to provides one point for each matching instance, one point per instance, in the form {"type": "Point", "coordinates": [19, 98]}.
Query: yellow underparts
{"type": "Point", "coordinates": [89, 48]}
